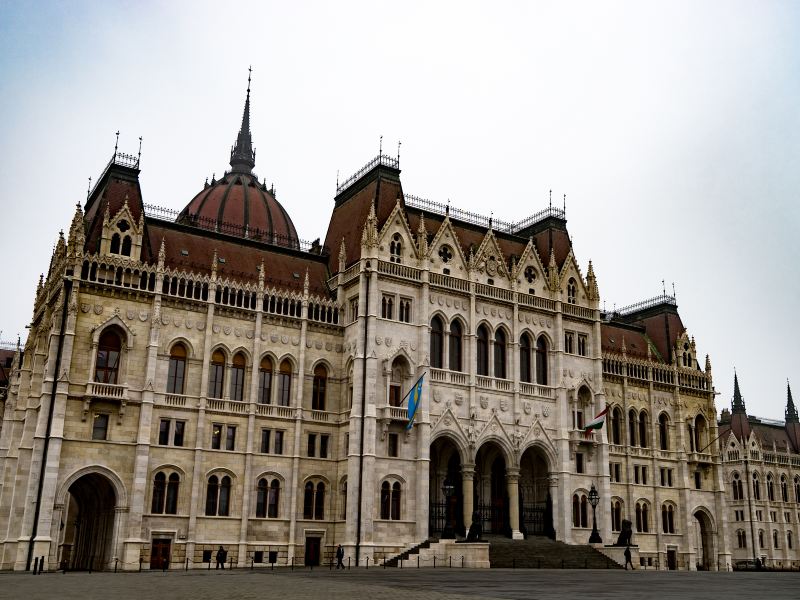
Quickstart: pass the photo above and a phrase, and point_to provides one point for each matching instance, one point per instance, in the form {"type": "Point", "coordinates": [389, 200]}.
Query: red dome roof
{"type": "Point", "coordinates": [238, 205]}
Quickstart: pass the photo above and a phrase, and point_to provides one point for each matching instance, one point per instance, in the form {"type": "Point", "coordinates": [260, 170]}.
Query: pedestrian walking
{"type": "Point", "coordinates": [339, 557]}
{"type": "Point", "coordinates": [222, 554]}
{"type": "Point", "coordinates": [628, 558]}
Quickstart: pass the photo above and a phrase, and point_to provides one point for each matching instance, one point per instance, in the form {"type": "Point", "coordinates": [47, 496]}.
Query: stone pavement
{"type": "Point", "coordinates": [408, 584]}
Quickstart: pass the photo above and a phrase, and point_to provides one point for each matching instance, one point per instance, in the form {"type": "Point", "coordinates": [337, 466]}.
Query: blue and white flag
{"type": "Point", "coordinates": [414, 396]}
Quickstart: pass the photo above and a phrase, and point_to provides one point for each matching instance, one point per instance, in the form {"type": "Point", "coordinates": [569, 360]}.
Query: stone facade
{"type": "Point", "coordinates": [194, 387]}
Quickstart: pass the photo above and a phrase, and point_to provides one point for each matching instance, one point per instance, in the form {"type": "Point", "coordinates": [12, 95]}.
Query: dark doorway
{"type": "Point", "coordinates": [159, 553]}
{"type": "Point", "coordinates": [535, 502]}
{"type": "Point", "coordinates": [89, 527]}
{"type": "Point", "coordinates": [313, 545]}
{"type": "Point", "coordinates": [672, 560]}
{"type": "Point", "coordinates": [491, 490]}
{"type": "Point", "coordinates": [445, 474]}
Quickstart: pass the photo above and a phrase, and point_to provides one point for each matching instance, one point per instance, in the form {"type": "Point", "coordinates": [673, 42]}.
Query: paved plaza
{"type": "Point", "coordinates": [411, 584]}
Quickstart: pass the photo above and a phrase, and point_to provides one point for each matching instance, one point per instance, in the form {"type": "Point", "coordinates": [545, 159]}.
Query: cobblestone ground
{"type": "Point", "coordinates": [411, 584]}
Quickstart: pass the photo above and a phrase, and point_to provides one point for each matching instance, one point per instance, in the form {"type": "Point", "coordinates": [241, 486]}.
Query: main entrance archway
{"type": "Point", "coordinates": [704, 540]}
{"type": "Point", "coordinates": [535, 501]}
{"type": "Point", "coordinates": [89, 523]}
{"type": "Point", "coordinates": [446, 498]}
{"type": "Point", "coordinates": [491, 490]}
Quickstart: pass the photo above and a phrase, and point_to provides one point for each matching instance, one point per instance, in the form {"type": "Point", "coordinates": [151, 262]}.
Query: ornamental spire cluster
{"type": "Point", "coordinates": [243, 157]}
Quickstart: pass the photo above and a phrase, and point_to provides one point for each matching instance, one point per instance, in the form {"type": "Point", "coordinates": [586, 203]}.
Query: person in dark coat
{"type": "Point", "coordinates": [221, 555]}
{"type": "Point", "coordinates": [628, 558]}
{"type": "Point", "coordinates": [339, 557]}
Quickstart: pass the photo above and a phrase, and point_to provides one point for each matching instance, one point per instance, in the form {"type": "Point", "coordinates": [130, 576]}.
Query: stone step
{"type": "Point", "coordinates": [544, 553]}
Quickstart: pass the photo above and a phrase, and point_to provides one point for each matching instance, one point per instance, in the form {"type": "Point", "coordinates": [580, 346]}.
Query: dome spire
{"type": "Point", "coordinates": [791, 411]}
{"type": "Point", "coordinates": [243, 157]}
{"type": "Point", "coordinates": [738, 401]}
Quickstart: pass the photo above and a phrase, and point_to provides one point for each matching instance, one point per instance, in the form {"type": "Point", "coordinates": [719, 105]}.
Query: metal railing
{"type": "Point", "coordinates": [381, 159]}
{"type": "Point", "coordinates": [649, 303]}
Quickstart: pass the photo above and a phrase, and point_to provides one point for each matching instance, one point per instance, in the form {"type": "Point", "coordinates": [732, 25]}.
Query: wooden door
{"type": "Point", "coordinates": [312, 551]}
{"type": "Point", "coordinates": [672, 560]}
{"type": "Point", "coordinates": [159, 553]}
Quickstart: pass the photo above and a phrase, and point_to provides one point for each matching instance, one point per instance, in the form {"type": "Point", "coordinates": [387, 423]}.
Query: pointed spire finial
{"type": "Point", "coordinates": [89, 189]}
{"type": "Point", "coordinates": [551, 198]}
{"type": "Point", "coordinates": [116, 144]}
{"type": "Point", "coordinates": [398, 151]}
{"type": "Point", "coordinates": [139, 156]}
{"type": "Point", "coordinates": [738, 402]}
{"type": "Point", "coordinates": [305, 283]}
{"type": "Point", "coordinates": [791, 411]}
{"type": "Point", "coordinates": [243, 157]}
{"type": "Point", "coordinates": [380, 147]}
{"type": "Point", "coordinates": [342, 256]}
{"type": "Point", "coordinates": [564, 208]}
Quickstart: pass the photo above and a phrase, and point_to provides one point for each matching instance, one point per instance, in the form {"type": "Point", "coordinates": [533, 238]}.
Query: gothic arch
{"type": "Point", "coordinates": [113, 478]}
{"type": "Point", "coordinates": [180, 340]}
{"type": "Point", "coordinates": [110, 322]}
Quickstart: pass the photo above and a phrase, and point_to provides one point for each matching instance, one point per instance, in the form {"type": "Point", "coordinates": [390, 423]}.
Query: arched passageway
{"type": "Point", "coordinates": [491, 499]}
{"type": "Point", "coordinates": [89, 524]}
{"type": "Point", "coordinates": [446, 498]}
{"type": "Point", "coordinates": [535, 501]}
{"type": "Point", "coordinates": [704, 541]}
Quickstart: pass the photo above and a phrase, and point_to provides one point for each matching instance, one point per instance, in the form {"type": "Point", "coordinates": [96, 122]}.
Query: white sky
{"type": "Point", "coordinates": [673, 128]}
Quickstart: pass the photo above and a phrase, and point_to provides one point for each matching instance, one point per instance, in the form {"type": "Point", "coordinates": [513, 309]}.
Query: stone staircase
{"type": "Point", "coordinates": [544, 553]}
{"type": "Point", "coordinates": [404, 556]}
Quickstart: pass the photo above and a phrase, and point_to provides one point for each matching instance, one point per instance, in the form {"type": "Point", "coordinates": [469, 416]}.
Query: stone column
{"type": "Point", "coordinates": [467, 477]}
{"type": "Point", "coordinates": [512, 480]}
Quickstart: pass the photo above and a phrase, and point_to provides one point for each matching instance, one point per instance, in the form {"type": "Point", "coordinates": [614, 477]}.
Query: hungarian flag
{"type": "Point", "coordinates": [596, 423]}
{"type": "Point", "coordinates": [414, 395]}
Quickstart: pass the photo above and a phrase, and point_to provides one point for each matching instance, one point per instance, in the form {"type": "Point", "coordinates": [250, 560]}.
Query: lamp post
{"type": "Point", "coordinates": [594, 498]}
{"type": "Point", "coordinates": [449, 532]}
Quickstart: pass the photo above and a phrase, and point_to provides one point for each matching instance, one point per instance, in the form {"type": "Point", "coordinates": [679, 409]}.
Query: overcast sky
{"type": "Point", "coordinates": [673, 128]}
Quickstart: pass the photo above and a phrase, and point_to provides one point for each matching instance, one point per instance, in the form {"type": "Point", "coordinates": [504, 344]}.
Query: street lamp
{"type": "Point", "coordinates": [449, 532]}
{"type": "Point", "coordinates": [594, 498]}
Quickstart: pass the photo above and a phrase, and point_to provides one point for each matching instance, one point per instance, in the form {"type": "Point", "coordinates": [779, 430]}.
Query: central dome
{"type": "Point", "coordinates": [237, 204]}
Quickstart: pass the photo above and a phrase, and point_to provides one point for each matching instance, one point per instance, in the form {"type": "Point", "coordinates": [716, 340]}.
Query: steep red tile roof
{"type": "Point", "coordinates": [636, 342]}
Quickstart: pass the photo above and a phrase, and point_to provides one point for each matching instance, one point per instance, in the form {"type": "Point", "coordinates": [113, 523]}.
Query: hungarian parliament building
{"type": "Point", "coordinates": [203, 378]}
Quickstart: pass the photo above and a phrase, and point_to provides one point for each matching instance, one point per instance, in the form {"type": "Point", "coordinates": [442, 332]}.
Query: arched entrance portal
{"type": "Point", "coordinates": [446, 499]}
{"type": "Point", "coordinates": [89, 523]}
{"type": "Point", "coordinates": [704, 540]}
{"type": "Point", "coordinates": [491, 489]}
{"type": "Point", "coordinates": [535, 501]}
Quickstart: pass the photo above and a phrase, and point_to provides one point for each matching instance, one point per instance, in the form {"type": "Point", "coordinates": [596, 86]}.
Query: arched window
{"type": "Point", "coordinates": [319, 502]}
{"type": "Point", "coordinates": [663, 431]}
{"type": "Point", "coordinates": [642, 517]}
{"type": "Point", "coordinates": [643, 429]}
{"type": "Point", "coordinates": [500, 354]}
{"type": "Point", "coordinates": [386, 497]}
{"type": "Point", "coordinates": [261, 498]}
{"type": "Point", "coordinates": [237, 377]}
{"type": "Point", "coordinates": [797, 489]}
{"type": "Point", "coordinates": [572, 291]}
{"type": "Point", "coordinates": [741, 539]}
{"type": "Point", "coordinates": [398, 377]}
{"type": "Point", "coordinates": [216, 375]}
{"type": "Point", "coordinates": [579, 511]}
{"type": "Point", "coordinates": [632, 427]}
{"type": "Point", "coordinates": [525, 358]}
{"type": "Point", "coordinates": [789, 540]}
{"type": "Point", "coordinates": [115, 243]}
{"type": "Point", "coordinates": [314, 501]}
{"type": "Point", "coordinates": [784, 489]}
{"type": "Point", "coordinates": [770, 488]}
{"type": "Point", "coordinates": [700, 431]}
{"type": "Point", "coordinates": [437, 342]}
{"type": "Point", "coordinates": [265, 381]}
{"type": "Point", "coordinates": [396, 501]}
{"type": "Point", "coordinates": [483, 350]}
{"type": "Point", "coordinates": [126, 245]}
{"type": "Point", "coordinates": [285, 383]}
{"type": "Point", "coordinates": [343, 503]}
{"type": "Point", "coordinates": [454, 348]}
{"type": "Point", "coordinates": [760, 538]}
{"type": "Point", "coordinates": [616, 515]}
{"type": "Point", "coordinates": [667, 518]}
{"type": "Point", "coordinates": [775, 539]}
{"type": "Point", "coordinates": [541, 360]}
{"type": "Point", "coordinates": [274, 499]}
{"type": "Point", "coordinates": [108, 354]}
{"type": "Point", "coordinates": [756, 487]}
{"type": "Point", "coordinates": [159, 492]}
{"type": "Point", "coordinates": [308, 501]}
{"type": "Point", "coordinates": [318, 388]}
{"type": "Point", "coordinates": [616, 425]}
{"type": "Point", "coordinates": [737, 487]}
{"type": "Point", "coordinates": [212, 496]}
{"type": "Point", "coordinates": [396, 249]}
{"type": "Point", "coordinates": [224, 497]}
{"type": "Point", "coordinates": [173, 484]}
{"type": "Point", "coordinates": [177, 369]}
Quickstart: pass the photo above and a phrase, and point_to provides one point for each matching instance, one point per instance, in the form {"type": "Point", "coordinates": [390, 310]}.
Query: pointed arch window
{"type": "Point", "coordinates": [265, 381]}
{"type": "Point", "coordinates": [126, 245]}
{"type": "Point", "coordinates": [500, 354]}
{"type": "Point", "coordinates": [541, 361]}
{"type": "Point", "coordinates": [436, 349]}
{"type": "Point", "coordinates": [285, 383]}
{"type": "Point", "coordinates": [642, 517]}
{"type": "Point", "coordinates": [237, 377]}
{"type": "Point", "coordinates": [224, 497]}
{"type": "Point", "coordinates": [319, 387]}
{"type": "Point", "coordinates": [274, 498]}
{"type": "Point", "coordinates": [663, 435]}
{"type": "Point", "coordinates": [483, 350]}
{"type": "Point", "coordinates": [171, 507]}
{"type": "Point", "coordinates": [579, 510]}
{"type": "Point", "coordinates": [770, 488]}
{"type": "Point", "coordinates": [177, 369]}
{"type": "Point", "coordinates": [108, 354]}
{"type": "Point", "coordinates": [159, 492]}
{"type": "Point", "coordinates": [216, 375]}
{"type": "Point", "coordinates": [396, 249]}
{"type": "Point", "coordinates": [616, 515]}
{"type": "Point", "coordinates": [386, 493]}
{"type": "Point", "coordinates": [218, 496]}
{"type": "Point", "coordinates": [572, 291]}
{"type": "Point", "coordinates": [115, 243]}
{"type": "Point", "coordinates": [616, 426]}
{"type": "Point", "coordinates": [784, 489]}
{"type": "Point", "coordinates": [737, 487]}
{"type": "Point", "coordinates": [643, 429]}
{"type": "Point", "coordinates": [454, 346]}
{"type": "Point", "coordinates": [797, 489]}
{"type": "Point", "coordinates": [261, 498]}
{"type": "Point", "coordinates": [667, 518]}
{"type": "Point", "coordinates": [396, 501]}
{"type": "Point", "coordinates": [756, 487]}
{"type": "Point", "coordinates": [632, 427]}
{"type": "Point", "coordinates": [525, 358]}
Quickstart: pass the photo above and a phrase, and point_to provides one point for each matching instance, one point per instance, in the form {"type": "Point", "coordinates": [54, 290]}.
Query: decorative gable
{"type": "Point", "coordinates": [122, 234]}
